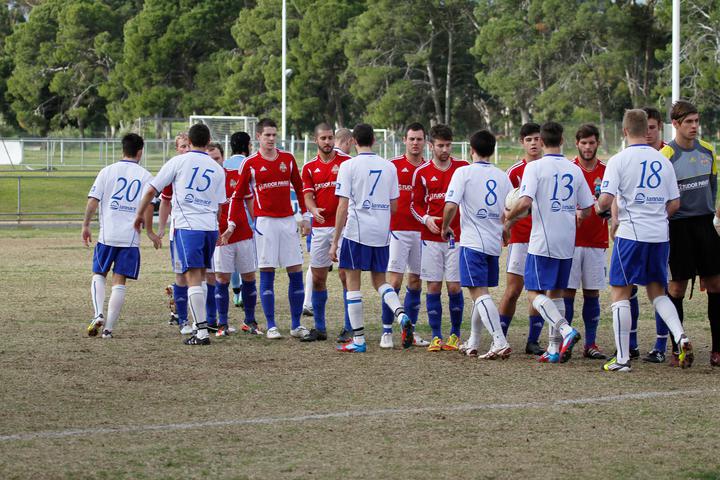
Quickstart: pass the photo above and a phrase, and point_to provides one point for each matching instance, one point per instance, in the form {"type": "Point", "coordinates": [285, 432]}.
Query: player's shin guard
{"type": "Point", "coordinates": [591, 318]}
{"type": "Point", "coordinates": [355, 311]}
{"type": "Point", "coordinates": [296, 295]}
{"type": "Point", "coordinates": [550, 310]}
{"type": "Point", "coordinates": [180, 296]}
{"type": "Point", "coordinates": [412, 304]}
{"type": "Point", "coordinates": [319, 300]}
{"type": "Point", "coordinates": [667, 311]}
{"type": "Point", "coordinates": [491, 319]}
{"type": "Point", "coordinates": [635, 315]}
{"type": "Point", "coordinates": [267, 296]}
{"type": "Point", "coordinates": [622, 321]}
{"type": "Point", "coordinates": [348, 326]}
{"type": "Point", "coordinates": [210, 307]}
{"type": "Point", "coordinates": [115, 303]}
{"type": "Point", "coordinates": [388, 317]}
{"type": "Point", "coordinates": [434, 312]}
{"type": "Point", "coordinates": [456, 305]}
{"type": "Point", "coordinates": [97, 293]}
{"type": "Point", "coordinates": [248, 291]}
{"type": "Point", "coordinates": [222, 302]}
{"type": "Point", "coordinates": [196, 301]}
{"type": "Point", "coordinates": [535, 326]}
{"type": "Point", "coordinates": [569, 309]}
{"type": "Point", "coordinates": [714, 317]}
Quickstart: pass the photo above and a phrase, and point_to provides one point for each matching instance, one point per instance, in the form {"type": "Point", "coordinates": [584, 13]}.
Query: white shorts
{"type": "Point", "coordinates": [440, 262]}
{"type": "Point", "coordinates": [320, 247]}
{"type": "Point", "coordinates": [589, 268]}
{"type": "Point", "coordinates": [516, 256]}
{"type": "Point", "coordinates": [277, 242]}
{"type": "Point", "coordinates": [237, 257]}
{"type": "Point", "coordinates": [405, 252]}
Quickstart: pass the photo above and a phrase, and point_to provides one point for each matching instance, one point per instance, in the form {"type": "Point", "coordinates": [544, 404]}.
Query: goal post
{"type": "Point", "coordinates": [222, 127]}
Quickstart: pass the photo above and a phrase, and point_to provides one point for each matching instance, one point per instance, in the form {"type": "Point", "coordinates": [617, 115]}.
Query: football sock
{"type": "Point", "coordinates": [319, 299]}
{"type": "Point", "coordinates": [248, 291]}
{"type": "Point", "coordinates": [714, 317]}
{"type": "Point", "coordinates": [535, 323]}
{"type": "Point", "coordinates": [476, 323]}
{"type": "Point", "coordinates": [678, 303]}
{"type": "Point", "coordinates": [563, 327]}
{"type": "Point", "coordinates": [97, 292]}
{"type": "Point", "coordinates": [491, 319]}
{"type": "Point", "coordinates": [236, 283]}
{"type": "Point", "coordinates": [210, 308]}
{"type": "Point", "coordinates": [505, 323]}
{"type": "Point", "coordinates": [307, 299]}
{"type": "Point", "coordinates": [456, 305]}
{"type": "Point", "coordinates": [355, 310]}
{"type": "Point", "coordinates": [196, 302]}
{"type": "Point", "coordinates": [117, 298]}
{"type": "Point", "coordinates": [664, 306]}
{"type": "Point", "coordinates": [412, 304]}
{"type": "Point", "coordinates": [296, 295]}
{"type": "Point", "coordinates": [348, 326]}
{"type": "Point", "coordinates": [554, 340]}
{"type": "Point", "coordinates": [662, 333]}
{"type": "Point", "coordinates": [387, 315]}
{"type": "Point", "coordinates": [434, 312]}
{"type": "Point", "coordinates": [551, 311]}
{"type": "Point", "coordinates": [635, 315]}
{"type": "Point", "coordinates": [180, 295]}
{"type": "Point", "coordinates": [569, 308]}
{"type": "Point", "coordinates": [222, 302]}
{"type": "Point", "coordinates": [622, 321]}
{"type": "Point", "coordinates": [591, 318]}
{"type": "Point", "coordinates": [267, 296]}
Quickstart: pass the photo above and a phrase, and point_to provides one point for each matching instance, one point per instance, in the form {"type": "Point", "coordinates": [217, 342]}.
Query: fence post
{"type": "Point", "coordinates": [47, 156]}
{"type": "Point", "coordinates": [19, 201]}
{"type": "Point", "coordinates": [305, 149]}
{"type": "Point", "coordinates": [62, 152]}
{"type": "Point", "coordinates": [82, 154]}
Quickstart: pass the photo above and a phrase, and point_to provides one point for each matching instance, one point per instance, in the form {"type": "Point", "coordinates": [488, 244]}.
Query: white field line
{"type": "Point", "coordinates": [84, 432]}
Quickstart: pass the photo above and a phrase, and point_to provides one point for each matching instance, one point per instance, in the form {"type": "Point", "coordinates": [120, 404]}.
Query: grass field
{"type": "Point", "coordinates": [142, 405]}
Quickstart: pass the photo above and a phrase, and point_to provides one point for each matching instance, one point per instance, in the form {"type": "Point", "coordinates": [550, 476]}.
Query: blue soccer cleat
{"type": "Point", "coordinates": [549, 358]}
{"type": "Point", "coordinates": [407, 330]}
{"type": "Point", "coordinates": [352, 347]}
{"type": "Point", "coordinates": [567, 345]}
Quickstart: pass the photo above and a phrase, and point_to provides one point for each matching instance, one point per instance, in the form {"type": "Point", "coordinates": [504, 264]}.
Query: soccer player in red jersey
{"type": "Point", "coordinates": [270, 173]}
{"type": "Point", "coordinates": [440, 260]}
{"type": "Point", "coordinates": [405, 242]}
{"type": "Point", "coordinates": [518, 247]}
{"type": "Point", "coordinates": [591, 242]}
{"type": "Point", "coordinates": [319, 177]}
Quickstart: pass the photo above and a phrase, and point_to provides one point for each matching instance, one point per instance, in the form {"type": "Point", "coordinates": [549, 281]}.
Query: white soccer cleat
{"type": "Point", "coordinates": [467, 349]}
{"type": "Point", "coordinates": [273, 333]}
{"type": "Point", "coordinates": [386, 341]}
{"type": "Point", "coordinates": [494, 353]}
{"type": "Point", "coordinates": [107, 334]}
{"type": "Point", "coordinates": [299, 332]}
{"type": "Point", "coordinates": [186, 329]}
{"type": "Point", "coordinates": [418, 341]}
{"type": "Point", "coordinates": [231, 330]}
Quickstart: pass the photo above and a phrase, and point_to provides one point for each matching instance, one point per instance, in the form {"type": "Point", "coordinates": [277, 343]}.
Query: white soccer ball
{"type": "Point", "coordinates": [512, 198]}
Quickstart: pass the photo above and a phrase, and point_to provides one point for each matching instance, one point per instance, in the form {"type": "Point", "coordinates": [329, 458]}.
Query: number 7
{"type": "Point", "coordinates": [379, 172]}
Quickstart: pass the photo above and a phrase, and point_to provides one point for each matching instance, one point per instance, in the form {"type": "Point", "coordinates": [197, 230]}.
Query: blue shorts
{"type": "Point", "coordinates": [194, 249]}
{"type": "Point", "coordinates": [356, 256]}
{"type": "Point", "coordinates": [639, 263]}
{"type": "Point", "coordinates": [478, 269]}
{"type": "Point", "coordinates": [545, 273]}
{"type": "Point", "coordinates": [123, 260]}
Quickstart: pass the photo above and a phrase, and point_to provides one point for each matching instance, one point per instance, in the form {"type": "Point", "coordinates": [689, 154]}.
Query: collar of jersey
{"type": "Point", "coordinates": [198, 151]}
{"type": "Point", "coordinates": [128, 161]}
{"type": "Point", "coordinates": [560, 155]}
{"type": "Point", "coordinates": [480, 163]}
{"type": "Point", "coordinates": [639, 145]}
{"type": "Point", "coordinates": [366, 153]}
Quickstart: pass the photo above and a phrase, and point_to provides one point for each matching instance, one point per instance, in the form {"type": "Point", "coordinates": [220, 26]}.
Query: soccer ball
{"type": "Point", "coordinates": [510, 201]}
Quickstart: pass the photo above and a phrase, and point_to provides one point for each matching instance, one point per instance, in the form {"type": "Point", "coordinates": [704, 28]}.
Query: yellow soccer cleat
{"type": "Point", "coordinates": [96, 326]}
{"type": "Point", "coordinates": [436, 345]}
{"type": "Point", "coordinates": [452, 344]}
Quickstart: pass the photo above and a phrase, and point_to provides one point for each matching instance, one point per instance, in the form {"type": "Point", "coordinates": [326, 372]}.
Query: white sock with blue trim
{"type": "Point", "coordinates": [622, 323]}
{"type": "Point", "coordinates": [355, 312]}
{"type": "Point", "coordinates": [97, 293]}
{"type": "Point", "coordinates": [390, 297]}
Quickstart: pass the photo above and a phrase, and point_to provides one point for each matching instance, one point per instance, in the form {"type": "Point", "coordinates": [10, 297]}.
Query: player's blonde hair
{"type": "Point", "coordinates": [635, 122]}
{"type": "Point", "coordinates": [181, 136]}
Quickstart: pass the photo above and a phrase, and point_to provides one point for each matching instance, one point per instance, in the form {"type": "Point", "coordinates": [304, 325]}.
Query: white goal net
{"type": "Point", "coordinates": [221, 127]}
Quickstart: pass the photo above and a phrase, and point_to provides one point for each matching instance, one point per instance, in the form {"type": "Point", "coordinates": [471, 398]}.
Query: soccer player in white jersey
{"type": "Point", "coordinates": [479, 191]}
{"type": "Point", "coordinates": [644, 183]}
{"type": "Point", "coordinates": [555, 188]}
{"type": "Point", "coordinates": [116, 191]}
{"type": "Point", "coordinates": [198, 191]}
{"type": "Point", "coordinates": [368, 189]}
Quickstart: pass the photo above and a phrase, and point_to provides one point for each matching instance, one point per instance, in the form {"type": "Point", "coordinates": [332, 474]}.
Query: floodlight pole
{"type": "Point", "coordinates": [283, 93]}
{"type": "Point", "coordinates": [676, 50]}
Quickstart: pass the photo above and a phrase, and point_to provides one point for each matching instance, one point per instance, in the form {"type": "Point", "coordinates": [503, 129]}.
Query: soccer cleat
{"type": "Point", "coordinates": [186, 329]}
{"type": "Point", "coordinates": [212, 328]}
{"type": "Point", "coordinates": [251, 328]}
{"type": "Point", "coordinates": [273, 333]}
{"type": "Point", "coordinates": [386, 341]}
{"type": "Point", "coordinates": [194, 340]}
{"type": "Point", "coordinates": [715, 359]}
{"type": "Point", "coordinates": [634, 353]}
{"type": "Point", "coordinates": [107, 334]}
{"type": "Point", "coordinates": [407, 330]}
{"type": "Point", "coordinates": [452, 343]}
{"type": "Point", "coordinates": [352, 347]}
{"type": "Point", "coordinates": [222, 331]}
{"type": "Point", "coordinates": [418, 341]}
{"type": "Point", "coordinates": [95, 325]}
{"type": "Point", "coordinates": [231, 329]}
{"type": "Point", "coordinates": [344, 336]}
{"type": "Point", "coordinates": [315, 335]}
{"type": "Point", "coordinates": [567, 345]}
{"type": "Point", "coordinates": [686, 357]}
{"type": "Point", "coordinates": [594, 352]}
{"type": "Point", "coordinates": [237, 300]}
{"type": "Point", "coordinates": [674, 360]}
{"type": "Point", "coordinates": [174, 319]}
{"type": "Point", "coordinates": [299, 332]}
{"type": "Point", "coordinates": [549, 358]}
{"type": "Point", "coordinates": [495, 353]}
{"type": "Point", "coordinates": [469, 350]}
{"type": "Point", "coordinates": [612, 365]}
{"type": "Point", "coordinates": [307, 311]}
{"type": "Point", "coordinates": [654, 356]}
{"type": "Point", "coordinates": [435, 345]}
{"type": "Point", "coordinates": [533, 348]}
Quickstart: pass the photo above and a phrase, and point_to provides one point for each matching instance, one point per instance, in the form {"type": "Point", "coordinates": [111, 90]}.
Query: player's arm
{"type": "Point", "coordinates": [250, 208]}
{"type": "Point", "coordinates": [147, 198]}
{"type": "Point", "coordinates": [449, 213]}
{"type": "Point", "coordinates": [237, 201]}
{"type": "Point", "coordinates": [614, 219]}
{"type": "Point", "coordinates": [340, 219]}
{"type": "Point", "coordinates": [298, 186]}
{"type": "Point", "coordinates": [419, 206]}
{"type": "Point", "coordinates": [523, 204]}
{"type": "Point", "coordinates": [154, 238]}
{"type": "Point", "coordinates": [163, 215]}
{"type": "Point", "coordinates": [672, 206]}
{"type": "Point", "coordinates": [393, 206]}
{"type": "Point", "coordinates": [90, 209]}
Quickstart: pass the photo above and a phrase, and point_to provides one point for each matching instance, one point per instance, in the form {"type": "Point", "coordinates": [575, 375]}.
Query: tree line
{"type": "Point", "coordinates": [88, 66]}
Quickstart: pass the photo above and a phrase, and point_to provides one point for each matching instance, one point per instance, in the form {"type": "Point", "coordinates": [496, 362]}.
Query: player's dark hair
{"type": "Point", "coordinates": [217, 146]}
{"type": "Point", "coordinates": [240, 143]}
{"type": "Point", "coordinates": [654, 114]}
{"type": "Point", "coordinates": [551, 134]}
{"type": "Point", "coordinates": [483, 142]}
{"type": "Point", "coordinates": [681, 109]}
{"type": "Point", "coordinates": [320, 127]}
{"type": "Point", "coordinates": [415, 127]}
{"type": "Point", "coordinates": [132, 143]}
{"type": "Point", "coordinates": [587, 130]}
{"type": "Point", "coordinates": [265, 122]}
{"type": "Point", "coordinates": [199, 135]}
{"type": "Point", "coordinates": [363, 135]}
{"type": "Point", "coordinates": [529, 129]}
{"type": "Point", "coordinates": [440, 132]}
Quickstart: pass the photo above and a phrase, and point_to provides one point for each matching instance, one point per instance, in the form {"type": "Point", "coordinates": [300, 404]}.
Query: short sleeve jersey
{"type": "Point", "coordinates": [319, 179]}
{"type": "Point", "coordinates": [430, 184]}
{"type": "Point", "coordinates": [242, 226]}
{"type": "Point", "coordinates": [480, 190]}
{"type": "Point", "coordinates": [403, 219]}
{"type": "Point", "coordinates": [198, 190]}
{"type": "Point", "coordinates": [696, 172]}
{"type": "Point", "coordinates": [643, 181]}
{"type": "Point", "coordinates": [119, 189]}
{"type": "Point", "coordinates": [233, 162]}
{"type": "Point", "coordinates": [369, 182]}
{"type": "Point", "coordinates": [557, 188]}
{"type": "Point", "coordinates": [593, 231]}
{"type": "Point", "coordinates": [520, 232]}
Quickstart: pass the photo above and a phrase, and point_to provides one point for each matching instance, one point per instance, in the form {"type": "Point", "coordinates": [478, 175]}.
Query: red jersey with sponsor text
{"type": "Point", "coordinates": [428, 197]}
{"type": "Point", "coordinates": [593, 231]}
{"type": "Point", "coordinates": [520, 232]}
{"type": "Point", "coordinates": [402, 219]}
{"type": "Point", "coordinates": [319, 178]}
{"type": "Point", "coordinates": [242, 226]}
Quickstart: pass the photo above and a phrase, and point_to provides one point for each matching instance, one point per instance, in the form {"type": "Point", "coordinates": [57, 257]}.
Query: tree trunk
{"type": "Point", "coordinates": [434, 92]}
{"type": "Point", "coordinates": [448, 76]}
{"type": "Point", "coordinates": [524, 115]}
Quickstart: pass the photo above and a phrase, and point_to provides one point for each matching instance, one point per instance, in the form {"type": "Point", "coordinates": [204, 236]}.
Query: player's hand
{"type": "Point", "coordinates": [225, 237]}
{"type": "Point", "coordinates": [156, 240]}
{"type": "Point", "coordinates": [317, 215]}
{"type": "Point", "coordinates": [305, 228]}
{"type": "Point", "coordinates": [432, 224]}
{"type": "Point", "coordinates": [333, 251]}
{"type": "Point", "coordinates": [506, 234]}
{"type": "Point", "coordinates": [161, 233]}
{"type": "Point", "coordinates": [86, 236]}
{"type": "Point", "coordinates": [446, 234]}
{"type": "Point", "coordinates": [139, 223]}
